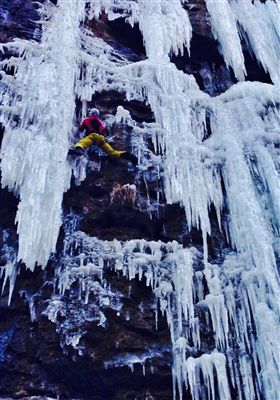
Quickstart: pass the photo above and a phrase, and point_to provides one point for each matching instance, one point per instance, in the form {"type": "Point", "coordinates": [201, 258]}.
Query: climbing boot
{"type": "Point", "coordinates": [76, 151]}
{"type": "Point", "coordinates": [129, 157]}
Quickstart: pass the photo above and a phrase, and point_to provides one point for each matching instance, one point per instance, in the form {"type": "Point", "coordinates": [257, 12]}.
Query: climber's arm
{"type": "Point", "coordinates": [82, 127]}
{"type": "Point", "coordinates": [102, 129]}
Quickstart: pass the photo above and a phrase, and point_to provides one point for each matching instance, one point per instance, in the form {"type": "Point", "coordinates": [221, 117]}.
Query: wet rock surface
{"type": "Point", "coordinates": [32, 355]}
{"type": "Point", "coordinates": [18, 19]}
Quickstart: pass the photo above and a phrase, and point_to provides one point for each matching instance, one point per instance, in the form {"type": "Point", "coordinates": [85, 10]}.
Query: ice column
{"type": "Point", "coordinates": [173, 97]}
{"type": "Point", "coordinates": [225, 31]}
{"type": "Point", "coordinates": [238, 120]}
{"type": "Point", "coordinates": [34, 151]}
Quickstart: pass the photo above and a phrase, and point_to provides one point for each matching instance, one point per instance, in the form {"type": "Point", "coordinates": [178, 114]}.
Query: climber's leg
{"type": "Point", "coordinates": [99, 140]}
{"type": "Point", "coordinates": [85, 142]}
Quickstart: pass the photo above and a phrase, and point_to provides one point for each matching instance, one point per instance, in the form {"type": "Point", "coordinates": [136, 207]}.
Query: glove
{"type": "Point", "coordinates": [76, 151]}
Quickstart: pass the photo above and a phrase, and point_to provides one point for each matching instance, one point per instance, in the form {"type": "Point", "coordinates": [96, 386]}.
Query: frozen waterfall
{"type": "Point", "coordinates": [38, 119]}
{"type": "Point", "coordinates": [235, 170]}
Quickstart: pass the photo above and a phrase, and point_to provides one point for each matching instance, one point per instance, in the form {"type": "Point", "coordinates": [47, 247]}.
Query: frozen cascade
{"type": "Point", "coordinates": [240, 297]}
{"type": "Point", "coordinates": [257, 24]}
{"type": "Point", "coordinates": [34, 151]}
{"type": "Point", "coordinates": [243, 119]}
{"type": "Point", "coordinates": [167, 269]}
{"type": "Point", "coordinates": [180, 110]}
{"type": "Point", "coordinates": [250, 228]}
{"type": "Point", "coordinates": [236, 297]}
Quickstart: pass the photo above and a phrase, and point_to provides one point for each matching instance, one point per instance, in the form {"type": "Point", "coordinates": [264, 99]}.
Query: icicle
{"type": "Point", "coordinates": [268, 349]}
{"type": "Point", "coordinates": [261, 32]}
{"type": "Point", "coordinates": [257, 23]}
{"type": "Point", "coordinates": [165, 26]}
{"type": "Point", "coordinates": [9, 272]}
{"type": "Point", "coordinates": [208, 364]}
{"type": "Point", "coordinates": [224, 29]}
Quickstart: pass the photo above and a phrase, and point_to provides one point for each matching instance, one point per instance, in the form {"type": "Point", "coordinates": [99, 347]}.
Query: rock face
{"type": "Point", "coordinates": [127, 357]}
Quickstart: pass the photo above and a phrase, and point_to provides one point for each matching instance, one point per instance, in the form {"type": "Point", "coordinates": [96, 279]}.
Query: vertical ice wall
{"type": "Point", "coordinates": [241, 295]}
{"type": "Point", "coordinates": [192, 166]}
{"type": "Point", "coordinates": [241, 153]}
{"type": "Point", "coordinates": [38, 126]}
{"type": "Point", "coordinates": [180, 108]}
{"type": "Point", "coordinates": [238, 120]}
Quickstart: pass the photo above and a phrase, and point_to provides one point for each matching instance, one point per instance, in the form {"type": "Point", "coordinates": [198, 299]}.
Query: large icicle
{"type": "Point", "coordinates": [261, 31]}
{"type": "Point", "coordinates": [165, 26]}
{"type": "Point", "coordinates": [255, 307]}
{"type": "Point", "coordinates": [225, 31]}
{"type": "Point", "coordinates": [201, 371]}
{"type": "Point", "coordinates": [257, 23]}
{"type": "Point", "coordinates": [173, 97]}
{"type": "Point", "coordinates": [34, 152]}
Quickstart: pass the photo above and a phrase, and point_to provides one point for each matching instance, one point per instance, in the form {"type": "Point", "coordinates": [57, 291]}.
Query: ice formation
{"type": "Point", "coordinates": [225, 30]}
{"type": "Point", "coordinates": [235, 297]}
{"type": "Point", "coordinates": [257, 24]}
{"type": "Point", "coordinates": [38, 123]}
{"type": "Point", "coordinates": [235, 170]}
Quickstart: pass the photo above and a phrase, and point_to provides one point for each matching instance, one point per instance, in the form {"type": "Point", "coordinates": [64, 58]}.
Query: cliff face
{"type": "Point", "coordinates": [35, 360]}
{"type": "Point", "coordinates": [95, 323]}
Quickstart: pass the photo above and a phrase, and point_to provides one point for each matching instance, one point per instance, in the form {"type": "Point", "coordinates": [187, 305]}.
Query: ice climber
{"type": "Point", "coordinates": [95, 131]}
